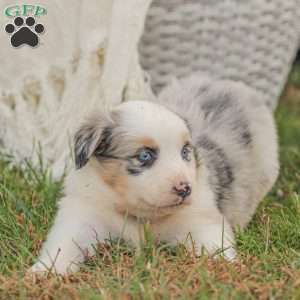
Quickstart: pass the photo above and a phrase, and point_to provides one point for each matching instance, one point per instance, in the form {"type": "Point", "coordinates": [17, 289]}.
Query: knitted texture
{"type": "Point", "coordinates": [253, 41]}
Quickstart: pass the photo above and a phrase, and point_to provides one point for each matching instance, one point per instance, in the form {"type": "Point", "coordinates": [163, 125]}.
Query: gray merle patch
{"type": "Point", "coordinates": [221, 171]}
{"type": "Point", "coordinates": [227, 111]}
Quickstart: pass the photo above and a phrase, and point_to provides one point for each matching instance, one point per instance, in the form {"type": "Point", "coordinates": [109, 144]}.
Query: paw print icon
{"type": "Point", "coordinates": [24, 32]}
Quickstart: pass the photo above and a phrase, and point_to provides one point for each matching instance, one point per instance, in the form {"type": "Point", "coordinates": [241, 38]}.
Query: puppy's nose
{"type": "Point", "coordinates": [183, 189]}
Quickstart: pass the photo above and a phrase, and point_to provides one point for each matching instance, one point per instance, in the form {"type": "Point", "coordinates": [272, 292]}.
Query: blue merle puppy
{"type": "Point", "coordinates": [195, 163]}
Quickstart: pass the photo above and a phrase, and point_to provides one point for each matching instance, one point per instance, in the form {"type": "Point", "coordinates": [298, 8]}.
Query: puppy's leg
{"type": "Point", "coordinates": [70, 240]}
{"type": "Point", "coordinates": [214, 235]}
{"type": "Point", "coordinates": [201, 230]}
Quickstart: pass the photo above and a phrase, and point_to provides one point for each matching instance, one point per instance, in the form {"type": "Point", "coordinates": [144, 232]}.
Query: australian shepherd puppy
{"type": "Point", "coordinates": [196, 163]}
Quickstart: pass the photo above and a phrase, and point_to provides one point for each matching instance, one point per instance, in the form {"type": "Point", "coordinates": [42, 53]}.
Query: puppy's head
{"type": "Point", "coordinates": [144, 154]}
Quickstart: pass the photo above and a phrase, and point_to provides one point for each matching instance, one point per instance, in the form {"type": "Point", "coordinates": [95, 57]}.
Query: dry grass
{"type": "Point", "coordinates": [269, 250]}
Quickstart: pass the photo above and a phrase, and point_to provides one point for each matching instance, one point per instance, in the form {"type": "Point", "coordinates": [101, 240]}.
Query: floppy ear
{"type": "Point", "coordinates": [94, 134]}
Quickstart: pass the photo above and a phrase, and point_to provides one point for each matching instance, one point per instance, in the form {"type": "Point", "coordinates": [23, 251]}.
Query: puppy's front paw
{"type": "Point", "coordinates": [213, 250]}
{"type": "Point", "coordinates": [216, 240]}
{"type": "Point", "coordinates": [38, 270]}
{"type": "Point", "coordinates": [228, 253]}
{"type": "Point", "coordinates": [61, 268]}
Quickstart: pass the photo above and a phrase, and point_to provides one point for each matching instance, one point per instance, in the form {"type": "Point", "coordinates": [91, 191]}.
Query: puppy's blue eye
{"type": "Point", "coordinates": [146, 156]}
{"type": "Point", "coordinates": [186, 152]}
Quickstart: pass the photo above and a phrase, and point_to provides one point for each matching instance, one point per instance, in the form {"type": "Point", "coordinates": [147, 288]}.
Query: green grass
{"type": "Point", "coordinates": [269, 250]}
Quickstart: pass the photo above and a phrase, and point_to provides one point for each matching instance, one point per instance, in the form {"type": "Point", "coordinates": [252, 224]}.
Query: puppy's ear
{"type": "Point", "coordinates": [94, 134]}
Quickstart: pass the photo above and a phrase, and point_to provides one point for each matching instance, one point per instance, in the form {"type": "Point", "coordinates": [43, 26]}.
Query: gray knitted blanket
{"type": "Point", "coordinates": [254, 41]}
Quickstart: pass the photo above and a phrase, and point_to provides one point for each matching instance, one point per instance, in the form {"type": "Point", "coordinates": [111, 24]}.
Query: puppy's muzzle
{"type": "Point", "coordinates": [183, 189]}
